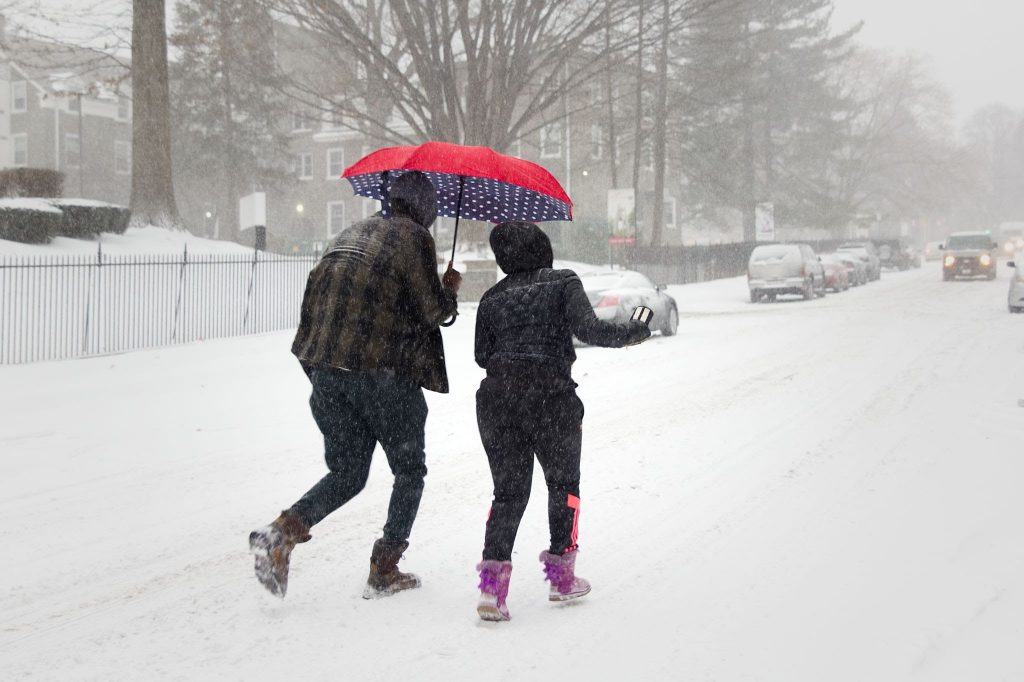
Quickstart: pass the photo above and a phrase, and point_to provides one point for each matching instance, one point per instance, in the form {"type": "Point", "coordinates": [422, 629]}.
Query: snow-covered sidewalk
{"type": "Point", "coordinates": [822, 490]}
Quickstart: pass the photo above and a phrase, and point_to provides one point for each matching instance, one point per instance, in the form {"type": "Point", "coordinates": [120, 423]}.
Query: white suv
{"type": "Point", "coordinates": [784, 269]}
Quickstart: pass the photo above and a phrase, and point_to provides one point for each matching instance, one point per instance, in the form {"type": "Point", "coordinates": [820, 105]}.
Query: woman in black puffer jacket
{"type": "Point", "coordinates": [527, 404]}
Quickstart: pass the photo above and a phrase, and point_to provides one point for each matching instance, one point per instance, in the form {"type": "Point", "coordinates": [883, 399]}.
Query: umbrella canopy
{"type": "Point", "coordinates": [476, 183]}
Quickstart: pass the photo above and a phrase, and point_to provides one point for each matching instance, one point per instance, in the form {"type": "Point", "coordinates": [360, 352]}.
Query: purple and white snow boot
{"type": "Point", "coordinates": [561, 572]}
{"type": "Point", "coordinates": [494, 579]}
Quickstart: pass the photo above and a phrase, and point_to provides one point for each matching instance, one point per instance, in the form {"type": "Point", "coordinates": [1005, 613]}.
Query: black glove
{"type": "Point", "coordinates": [638, 332]}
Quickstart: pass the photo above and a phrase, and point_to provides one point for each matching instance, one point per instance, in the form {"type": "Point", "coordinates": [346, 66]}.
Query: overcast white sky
{"type": "Point", "coordinates": [975, 47]}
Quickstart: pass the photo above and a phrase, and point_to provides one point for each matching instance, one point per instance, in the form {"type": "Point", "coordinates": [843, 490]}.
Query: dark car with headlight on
{"type": "Point", "coordinates": [969, 254]}
{"type": "Point", "coordinates": [615, 293]}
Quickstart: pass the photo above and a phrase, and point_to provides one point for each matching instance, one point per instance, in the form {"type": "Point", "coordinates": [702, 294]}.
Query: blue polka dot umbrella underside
{"type": "Point", "coordinates": [485, 199]}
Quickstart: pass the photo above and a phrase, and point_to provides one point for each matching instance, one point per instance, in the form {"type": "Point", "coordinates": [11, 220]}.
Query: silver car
{"type": "Point", "coordinates": [1015, 299]}
{"type": "Point", "coordinates": [867, 252]}
{"type": "Point", "coordinates": [776, 269]}
{"type": "Point", "coordinates": [615, 293]}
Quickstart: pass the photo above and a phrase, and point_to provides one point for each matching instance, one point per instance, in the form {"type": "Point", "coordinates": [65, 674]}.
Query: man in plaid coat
{"type": "Point", "coordinates": [369, 339]}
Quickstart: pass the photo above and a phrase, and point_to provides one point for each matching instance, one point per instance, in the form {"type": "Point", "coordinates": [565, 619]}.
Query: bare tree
{"type": "Point", "coordinates": [152, 198]}
{"type": "Point", "coordinates": [93, 36]}
{"type": "Point", "coordinates": [474, 71]}
{"type": "Point", "coordinates": [897, 158]}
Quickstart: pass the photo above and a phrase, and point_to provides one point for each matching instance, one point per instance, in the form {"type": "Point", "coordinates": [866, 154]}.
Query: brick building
{"type": "Point", "coordinates": [59, 109]}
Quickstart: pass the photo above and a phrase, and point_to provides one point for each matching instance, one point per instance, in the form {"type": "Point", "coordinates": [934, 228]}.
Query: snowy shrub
{"type": "Point", "coordinates": [31, 182]}
{"type": "Point", "coordinates": [84, 219]}
{"type": "Point", "coordinates": [32, 221]}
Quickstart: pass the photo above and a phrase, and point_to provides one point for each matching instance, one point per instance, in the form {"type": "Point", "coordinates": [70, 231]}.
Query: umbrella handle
{"type": "Point", "coordinates": [385, 198]}
{"type": "Point", "coordinates": [458, 210]}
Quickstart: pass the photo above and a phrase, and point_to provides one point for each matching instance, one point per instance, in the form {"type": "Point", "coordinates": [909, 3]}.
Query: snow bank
{"type": "Point", "coordinates": [136, 240]}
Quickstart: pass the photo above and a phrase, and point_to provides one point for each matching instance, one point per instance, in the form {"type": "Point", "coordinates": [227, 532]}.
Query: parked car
{"type": "Point", "coordinates": [856, 269]}
{"type": "Point", "coordinates": [1015, 299]}
{"type": "Point", "coordinates": [867, 252]}
{"type": "Point", "coordinates": [897, 254]}
{"type": "Point", "coordinates": [969, 254]}
{"type": "Point", "coordinates": [615, 293]}
{"type": "Point", "coordinates": [933, 251]}
{"type": "Point", "coordinates": [776, 269]}
{"type": "Point", "coordinates": [837, 277]}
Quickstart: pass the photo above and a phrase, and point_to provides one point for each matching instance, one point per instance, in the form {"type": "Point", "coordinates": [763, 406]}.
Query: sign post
{"type": "Point", "coordinates": [621, 216]}
{"type": "Point", "coordinates": [621, 220]}
{"type": "Point", "coordinates": [252, 213]}
{"type": "Point", "coordinates": [764, 222]}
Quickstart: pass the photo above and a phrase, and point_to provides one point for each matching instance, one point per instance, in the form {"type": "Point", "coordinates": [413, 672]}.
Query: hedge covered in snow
{"type": "Point", "coordinates": [37, 220]}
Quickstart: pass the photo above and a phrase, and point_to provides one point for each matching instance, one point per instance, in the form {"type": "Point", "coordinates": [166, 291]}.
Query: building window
{"type": "Point", "coordinates": [302, 166]}
{"type": "Point", "coordinates": [19, 96]}
{"type": "Point", "coordinates": [74, 102]}
{"type": "Point", "coordinates": [72, 151]}
{"type": "Point", "coordinates": [551, 140]}
{"type": "Point", "coordinates": [333, 118]}
{"type": "Point", "coordinates": [596, 141]}
{"type": "Point", "coordinates": [124, 108]}
{"type": "Point", "coordinates": [335, 163]}
{"type": "Point", "coordinates": [20, 141]}
{"type": "Point", "coordinates": [335, 217]}
{"type": "Point", "coordinates": [301, 120]}
{"type": "Point", "coordinates": [647, 155]}
{"type": "Point", "coordinates": [670, 214]}
{"type": "Point", "coordinates": [122, 158]}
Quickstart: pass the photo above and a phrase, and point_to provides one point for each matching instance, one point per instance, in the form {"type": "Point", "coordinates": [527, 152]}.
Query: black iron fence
{"type": "Point", "coordinates": [55, 307]}
{"type": "Point", "coordinates": [700, 263]}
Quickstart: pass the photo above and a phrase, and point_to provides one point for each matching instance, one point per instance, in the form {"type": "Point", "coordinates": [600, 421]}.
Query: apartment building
{"type": "Point", "coordinates": [59, 110]}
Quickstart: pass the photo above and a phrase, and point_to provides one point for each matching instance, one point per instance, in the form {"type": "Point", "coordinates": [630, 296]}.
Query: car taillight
{"type": "Point", "coordinates": [608, 301]}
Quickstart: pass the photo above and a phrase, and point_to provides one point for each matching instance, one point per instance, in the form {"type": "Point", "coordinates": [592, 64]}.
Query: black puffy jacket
{"type": "Point", "coordinates": [525, 323]}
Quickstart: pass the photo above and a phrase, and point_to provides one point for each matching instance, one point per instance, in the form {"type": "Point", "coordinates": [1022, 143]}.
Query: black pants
{"type": "Point", "coordinates": [355, 411]}
{"type": "Point", "coordinates": [516, 425]}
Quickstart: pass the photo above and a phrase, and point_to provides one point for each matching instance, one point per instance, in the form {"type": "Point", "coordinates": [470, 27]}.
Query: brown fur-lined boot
{"type": "Point", "coordinates": [385, 578]}
{"type": "Point", "coordinates": [272, 546]}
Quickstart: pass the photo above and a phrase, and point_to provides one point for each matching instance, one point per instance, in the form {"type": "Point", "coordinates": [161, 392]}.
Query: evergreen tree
{"type": "Point", "coordinates": [758, 110]}
{"type": "Point", "coordinates": [229, 116]}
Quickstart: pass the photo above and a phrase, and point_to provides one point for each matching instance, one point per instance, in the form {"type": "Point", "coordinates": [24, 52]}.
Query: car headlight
{"type": "Point", "coordinates": [986, 259]}
{"type": "Point", "coordinates": [949, 261]}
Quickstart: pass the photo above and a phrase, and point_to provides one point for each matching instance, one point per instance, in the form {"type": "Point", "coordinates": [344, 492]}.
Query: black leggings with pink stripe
{"type": "Point", "coordinates": [515, 426]}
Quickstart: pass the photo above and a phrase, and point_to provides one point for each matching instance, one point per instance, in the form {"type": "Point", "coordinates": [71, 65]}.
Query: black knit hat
{"type": "Point", "coordinates": [520, 246]}
{"type": "Point", "coordinates": [412, 195]}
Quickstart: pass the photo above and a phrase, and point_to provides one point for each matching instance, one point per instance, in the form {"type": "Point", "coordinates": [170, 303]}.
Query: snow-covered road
{"type": "Point", "coordinates": [824, 490]}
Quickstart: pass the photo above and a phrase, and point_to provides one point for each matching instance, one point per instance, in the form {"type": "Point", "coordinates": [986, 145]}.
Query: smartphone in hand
{"type": "Point", "coordinates": [642, 313]}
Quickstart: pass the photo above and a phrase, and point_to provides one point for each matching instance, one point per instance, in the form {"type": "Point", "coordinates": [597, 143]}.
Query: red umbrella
{"type": "Point", "coordinates": [476, 183]}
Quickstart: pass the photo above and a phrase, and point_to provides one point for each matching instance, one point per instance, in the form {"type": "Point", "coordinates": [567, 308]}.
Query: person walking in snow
{"type": "Point", "coordinates": [370, 342]}
{"type": "Point", "coordinates": [527, 405]}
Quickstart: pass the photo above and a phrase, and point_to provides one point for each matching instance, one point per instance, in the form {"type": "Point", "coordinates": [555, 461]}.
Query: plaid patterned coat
{"type": "Point", "coordinates": [375, 302]}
